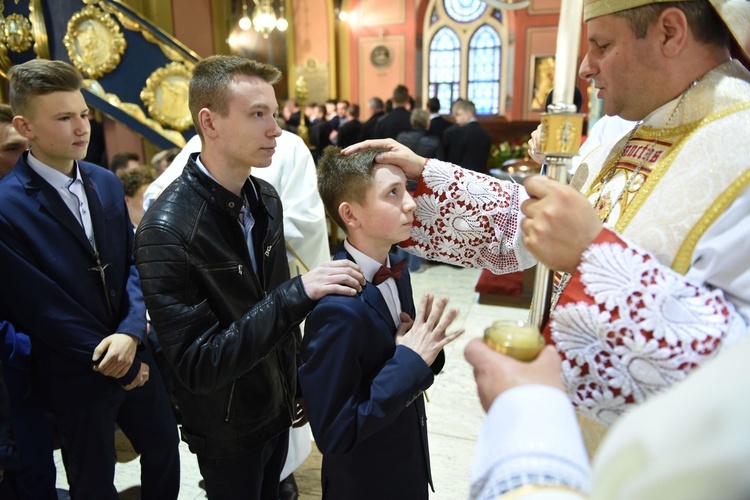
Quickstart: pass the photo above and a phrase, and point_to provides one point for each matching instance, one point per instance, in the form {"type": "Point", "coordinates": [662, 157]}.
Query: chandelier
{"type": "Point", "coordinates": [264, 18]}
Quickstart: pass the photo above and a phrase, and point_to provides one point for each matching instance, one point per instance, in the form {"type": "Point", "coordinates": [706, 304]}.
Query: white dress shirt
{"type": "Point", "coordinates": [246, 220]}
{"type": "Point", "coordinates": [388, 288]}
{"type": "Point", "coordinates": [70, 190]}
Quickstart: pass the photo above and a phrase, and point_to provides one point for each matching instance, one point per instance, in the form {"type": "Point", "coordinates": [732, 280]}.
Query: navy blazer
{"type": "Point", "coordinates": [51, 290]}
{"type": "Point", "coordinates": [363, 396]}
{"type": "Point", "coordinates": [468, 146]}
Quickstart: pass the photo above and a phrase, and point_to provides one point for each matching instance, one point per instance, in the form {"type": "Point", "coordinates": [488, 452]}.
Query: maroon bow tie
{"type": "Point", "coordinates": [388, 272]}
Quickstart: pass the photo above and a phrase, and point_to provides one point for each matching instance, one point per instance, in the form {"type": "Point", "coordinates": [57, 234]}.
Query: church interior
{"type": "Point", "coordinates": [137, 56]}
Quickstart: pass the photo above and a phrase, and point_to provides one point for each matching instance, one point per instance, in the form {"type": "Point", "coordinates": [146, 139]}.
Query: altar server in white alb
{"type": "Point", "coordinates": [657, 274]}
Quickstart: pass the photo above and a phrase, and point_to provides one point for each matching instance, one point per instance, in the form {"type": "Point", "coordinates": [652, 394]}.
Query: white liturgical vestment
{"type": "Point", "coordinates": [690, 443]}
{"type": "Point", "coordinates": [667, 285]}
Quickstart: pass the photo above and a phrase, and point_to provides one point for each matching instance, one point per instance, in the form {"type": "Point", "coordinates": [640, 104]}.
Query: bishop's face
{"type": "Point", "coordinates": [625, 69]}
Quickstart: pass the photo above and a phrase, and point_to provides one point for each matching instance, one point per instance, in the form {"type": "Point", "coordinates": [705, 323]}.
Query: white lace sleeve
{"type": "Point", "coordinates": [629, 326]}
{"type": "Point", "coordinates": [468, 219]}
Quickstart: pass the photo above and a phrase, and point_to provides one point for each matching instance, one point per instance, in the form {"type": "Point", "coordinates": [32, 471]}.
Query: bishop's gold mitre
{"type": "Point", "coordinates": [734, 13]}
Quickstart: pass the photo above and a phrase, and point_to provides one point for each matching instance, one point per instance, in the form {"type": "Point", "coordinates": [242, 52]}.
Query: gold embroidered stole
{"type": "Point", "coordinates": [695, 162]}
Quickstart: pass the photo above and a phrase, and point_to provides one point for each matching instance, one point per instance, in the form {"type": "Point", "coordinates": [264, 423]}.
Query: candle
{"type": "Point", "coordinates": [566, 54]}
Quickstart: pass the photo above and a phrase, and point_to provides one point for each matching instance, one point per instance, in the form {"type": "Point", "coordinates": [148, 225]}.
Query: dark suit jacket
{"type": "Point", "coordinates": [423, 144]}
{"type": "Point", "coordinates": [363, 397]}
{"type": "Point", "coordinates": [393, 123]}
{"type": "Point", "coordinates": [320, 133]}
{"type": "Point", "coordinates": [438, 126]}
{"type": "Point", "coordinates": [349, 133]}
{"type": "Point", "coordinates": [56, 298]}
{"type": "Point", "coordinates": [368, 128]}
{"type": "Point", "coordinates": [468, 146]}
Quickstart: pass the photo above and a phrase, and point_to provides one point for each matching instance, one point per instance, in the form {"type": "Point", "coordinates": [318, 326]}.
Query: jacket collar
{"type": "Point", "coordinates": [48, 197]}
{"type": "Point", "coordinates": [374, 298]}
{"type": "Point", "coordinates": [213, 192]}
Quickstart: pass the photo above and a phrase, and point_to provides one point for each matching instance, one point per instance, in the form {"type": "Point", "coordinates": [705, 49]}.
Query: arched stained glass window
{"type": "Point", "coordinates": [445, 67]}
{"type": "Point", "coordinates": [465, 11]}
{"type": "Point", "coordinates": [467, 56]}
{"type": "Point", "coordinates": [485, 58]}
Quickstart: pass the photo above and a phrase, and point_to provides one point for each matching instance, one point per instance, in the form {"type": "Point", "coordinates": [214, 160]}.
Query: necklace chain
{"type": "Point", "coordinates": [558, 288]}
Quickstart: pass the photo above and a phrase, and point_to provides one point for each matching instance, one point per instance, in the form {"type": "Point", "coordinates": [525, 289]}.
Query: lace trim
{"type": "Point", "coordinates": [643, 329]}
{"type": "Point", "coordinates": [465, 219]}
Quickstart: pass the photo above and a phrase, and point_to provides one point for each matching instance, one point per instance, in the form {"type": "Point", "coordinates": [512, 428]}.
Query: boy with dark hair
{"type": "Point", "coordinates": [135, 181]}
{"type": "Point", "coordinates": [65, 234]}
{"type": "Point", "coordinates": [396, 120]}
{"type": "Point", "coordinates": [365, 364]}
{"type": "Point", "coordinates": [123, 161]}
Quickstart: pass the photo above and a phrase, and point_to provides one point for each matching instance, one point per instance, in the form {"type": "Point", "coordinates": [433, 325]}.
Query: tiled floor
{"type": "Point", "coordinates": [453, 412]}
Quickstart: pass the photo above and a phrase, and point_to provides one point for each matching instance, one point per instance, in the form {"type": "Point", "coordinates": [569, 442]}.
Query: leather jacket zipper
{"type": "Point", "coordinates": [290, 407]}
{"type": "Point", "coordinates": [229, 404]}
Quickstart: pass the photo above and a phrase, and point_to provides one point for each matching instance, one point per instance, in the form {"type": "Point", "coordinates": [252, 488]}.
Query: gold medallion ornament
{"type": "Point", "coordinates": [16, 33]}
{"type": "Point", "coordinates": [94, 41]}
{"type": "Point", "coordinates": [166, 96]}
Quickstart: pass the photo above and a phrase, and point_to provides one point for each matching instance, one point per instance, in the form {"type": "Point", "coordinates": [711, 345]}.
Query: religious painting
{"type": "Point", "coordinates": [94, 42]}
{"type": "Point", "coordinates": [542, 80]}
{"type": "Point", "coordinates": [166, 96]}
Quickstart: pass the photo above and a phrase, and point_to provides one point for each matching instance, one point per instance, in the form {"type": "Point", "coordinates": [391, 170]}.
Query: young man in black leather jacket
{"type": "Point", "coordinates": [212, 260]}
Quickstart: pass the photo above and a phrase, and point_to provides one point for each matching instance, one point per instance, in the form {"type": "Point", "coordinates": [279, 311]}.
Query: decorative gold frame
{"type": "Point", "coordinates": [381, 56]}
{"type": "Point", "coordinates": [16, 33]}
{"type": "Point", "coordinates": [94, 42]}
{"type": "Point", "coordinates": [39, 29]}
{"type": "Point", "coordinates": [135, 111]}
{"type": "Point", "coordinates": [188, 57]}
{"type": "Point", "coordinates": [166, 96]}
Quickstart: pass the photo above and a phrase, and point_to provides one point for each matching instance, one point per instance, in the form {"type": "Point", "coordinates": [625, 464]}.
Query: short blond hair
{"type": "Point", "coordinates": [212, 78]}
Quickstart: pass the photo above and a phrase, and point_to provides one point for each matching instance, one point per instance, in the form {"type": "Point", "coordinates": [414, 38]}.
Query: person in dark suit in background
{"type": "Point", "coordinates": [366, 359]}
{"type": "Point", "coordinates": [351, 129]}
{"type": "Point", "coordinates": [376, 107]}
{"type": "Point", "coordinates": [438, 123]}
{"type": "Point", "coordinates": [417, 139]}
{"type": "Point", "coordinates": [399, 119]}
{"type": "Point", "coordinates": [466, 143]}
{"type": "Point", "coordinates": [65, 234]}
{"type": "Point", "coordinates": [25, 429]}
{"type": "Point", "coordinates": [320, 132]}
{"type": "Point", "coordinates": [342, 107]}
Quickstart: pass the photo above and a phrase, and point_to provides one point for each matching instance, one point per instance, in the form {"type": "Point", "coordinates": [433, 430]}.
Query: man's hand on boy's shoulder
{"type": "Point", "coordinates": [340, 277]}
{"type": "Point", "coordinates": [427, 335]}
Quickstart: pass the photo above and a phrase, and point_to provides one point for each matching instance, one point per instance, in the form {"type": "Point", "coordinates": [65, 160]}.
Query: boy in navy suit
{"type": "Point", "coordinates": [365, 361]}
{"type": "Point", "coordinates": [69, 282]}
